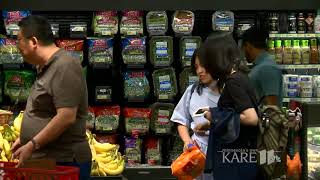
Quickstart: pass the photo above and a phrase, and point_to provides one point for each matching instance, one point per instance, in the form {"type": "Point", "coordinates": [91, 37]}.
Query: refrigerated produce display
{"type": "Point", "coordinates": [138, 65]}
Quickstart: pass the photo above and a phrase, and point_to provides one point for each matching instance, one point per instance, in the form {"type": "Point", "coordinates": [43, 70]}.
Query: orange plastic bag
{"type": "Point", "coordinates": [190, 164]}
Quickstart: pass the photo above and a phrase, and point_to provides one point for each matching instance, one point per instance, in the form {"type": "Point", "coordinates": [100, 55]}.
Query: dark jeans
{"type": "Point", "coordinates": [85, 168]}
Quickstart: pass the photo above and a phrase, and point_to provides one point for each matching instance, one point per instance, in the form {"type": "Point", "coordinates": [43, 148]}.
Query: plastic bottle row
{"type": "Point", "coordinates": [295, 51]}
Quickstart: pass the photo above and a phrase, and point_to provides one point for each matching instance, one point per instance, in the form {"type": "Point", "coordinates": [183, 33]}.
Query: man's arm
{"type": "Point", "coordinates": [65, 117]}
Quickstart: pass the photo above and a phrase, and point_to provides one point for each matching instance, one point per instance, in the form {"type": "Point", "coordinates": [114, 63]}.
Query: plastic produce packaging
{"type": "Point", "coordinates": [290, 85]}
{"type": "Point", "coordinates": [131, 23]}
{"type": "Point", "coordinates": [136, 85]}
{"type": "Point", "coordinates": [75, 47]}
{"type": "Point", "coordinates": [91, 117]}
{"type": "Point", "coordinates": [183, 22]}
{"type": "Point", "coordinates": [9, 52]}
{"type": "Point", "coordinates": [134, 50]}
{"type": "Point", "coordinates": [187, 78]}
{"type": "Point", "coordinates": [17, 84]}
{"type": "Point", "coordinates": [11, 20]}
{"type": "Point", "coordinates": [223, 21]}
{"type": "Point", "coordinates": [165, 84]}
{"type": "Point", "coordinates": [100, 51]}
{"type": "Point", "coordinates": [107, 118]}
{"type": "Point", "coordinates": [160, 118]}
{"type": "Point", "coordinates": [133, 151]}
{"type": "Point", "coordinates": [153, 151]}
{"type": "Point", "coordinates": [306, 86]}
{"type": "Point", "coordinates": [157, 22]}
{"type": "Point", "coordinates": [105, 23]}
{"type": "Point", "coordinates": [316, 86]}
{"type": "Point", "coordinates": [161, 51]}
{"type": "Point", "coordinates": [137, 120]}
{"type": "Point", "coordinates": [188, 44]}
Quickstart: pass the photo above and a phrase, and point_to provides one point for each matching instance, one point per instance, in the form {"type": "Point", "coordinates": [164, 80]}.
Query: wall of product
{"type": "Point", "coordinates": [138, 66]}
{"type": "Point", "coordinates": [294, 42]}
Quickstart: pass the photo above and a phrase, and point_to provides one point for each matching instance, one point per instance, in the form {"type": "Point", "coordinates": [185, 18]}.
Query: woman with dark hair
{"type": "Point", "coordinates": [220, 56]}
{"type": "Point", "coordinates": [203, 93]}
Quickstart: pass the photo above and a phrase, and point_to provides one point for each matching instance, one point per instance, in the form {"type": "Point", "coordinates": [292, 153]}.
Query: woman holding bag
{"type": "Point", "coordinates": [220, 56]}
{"type": "Point", "coordinates": [203, 93]}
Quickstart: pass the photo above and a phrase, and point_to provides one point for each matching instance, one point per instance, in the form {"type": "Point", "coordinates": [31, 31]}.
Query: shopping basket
{"type": "Point", "coordinates": [9, 172]}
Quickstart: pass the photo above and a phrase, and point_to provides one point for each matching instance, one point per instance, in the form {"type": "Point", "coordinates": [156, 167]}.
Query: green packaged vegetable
{"type": "Point", "coordinates": [100, 51]}
{"type": "Point", "coordinates": [157, 22]}
{"type": "Point", "coordinates": [188, 44]}
{"type": "Point", "coordinates": [105, 23]}
{"type": "Point", "coordinates": [132, 23]}
{"type": "Point", "coordinates": [134, 50]}
{"type": "Point", "coordinates": [91, 117]}
{"type": "Point", "coordinates": [18, 84]}
{"type": "Point", "coordinates": [187, 78]}
{"type": "Point", "coordinates": [137, 120]}
{"type": "Point", "coordinates": [165, 84]}
{"type": "Point", "coordinates": [136, 86]}
{"type": "Point", "coordinates": [160, 118]}
{"type": "Point", "coordinates": [107, 118]}
{"type": "Point", "coordinates": [183, 22]}
{"type": "Point", "coordinates": [9, 52]}
{"type": "Point", "coordinates": [161, 51]}
{"type": "Point", "coordinates": [133, 151]}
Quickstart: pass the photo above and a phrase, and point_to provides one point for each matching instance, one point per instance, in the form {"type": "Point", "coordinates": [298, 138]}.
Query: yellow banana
{"type": "Point", "coordinates": [94, 172]}
{"type": "Point", "coordinates": [17, 121]}
{"type": "Point", "coordinates": [93, 152]}
{"type": "Point", "coordinates": [1, 128]}
{"type": "Point", "coordinates": [3, 156]}
{"type": "Point", "coordinates": [104, 147]}
{"type": "Point", "coordinates": [1, 141]}
{"type": "Point", "coordinates": [101, 171]}
{"type": "Point", "coordinates": [117, 171]}
{"type": "Point", "coordinates": [16, 133]}
{"type": "Point", "coordinates": [104, 160]}
{"type": "Point", "coordinates": [6, 146]}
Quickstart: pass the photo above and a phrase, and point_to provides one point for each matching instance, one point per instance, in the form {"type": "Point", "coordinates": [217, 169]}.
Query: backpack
{"type": "Point", "coordinates": [272, 141]}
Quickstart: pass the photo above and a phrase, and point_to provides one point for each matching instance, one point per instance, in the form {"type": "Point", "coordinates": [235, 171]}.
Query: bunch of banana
{"type": "Point", "coordinates": [6, 141]}
{"type": "Point", "coordinates": [106, 160]}
{"type": "Point", "coordinates": [8, 135]}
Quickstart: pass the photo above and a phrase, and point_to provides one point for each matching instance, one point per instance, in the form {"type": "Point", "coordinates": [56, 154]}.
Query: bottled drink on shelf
{"type": "Point", "coordinates": [317, 22]}
{"type": "Point", "coordinates": [292, 23]}
{"type": "Point", "coordinates": [271, 48]}
{"type": "Point", "coordinates": [278, 51]}
{"type": "Point", "coordinates": [296, 52]}
{"type": "Point", "coordinates": [274, 23]}
{"type": "Point", "coordinates": [310, 23]}
{"type": "Point", "coordinates": [314, 55]}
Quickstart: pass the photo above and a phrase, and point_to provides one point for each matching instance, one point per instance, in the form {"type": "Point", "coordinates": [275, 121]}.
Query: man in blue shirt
{"type": "Point", "coordinates": [266, 75]}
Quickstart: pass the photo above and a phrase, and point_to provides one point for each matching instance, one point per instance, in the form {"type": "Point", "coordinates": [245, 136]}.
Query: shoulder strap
{"type": "Point", "coordinates": [193, 88]}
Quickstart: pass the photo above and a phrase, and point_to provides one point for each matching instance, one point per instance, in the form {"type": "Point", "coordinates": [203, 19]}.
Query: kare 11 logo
{"type": "Point", "coordinates": [263, 157]}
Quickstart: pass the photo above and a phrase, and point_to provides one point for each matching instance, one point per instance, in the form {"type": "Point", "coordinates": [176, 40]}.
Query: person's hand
{"type": "Point", "coordinates": [16, 145]}
{"type": "Point", "coordinates": [187, 144]}
{"type": "Point", "coordinates": [23, 153]}
{"type": "Point", "coordinates": [202, 128]}
{"type": "Point", "coordinates": [207, 115]}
